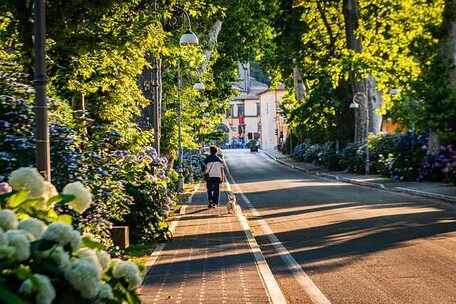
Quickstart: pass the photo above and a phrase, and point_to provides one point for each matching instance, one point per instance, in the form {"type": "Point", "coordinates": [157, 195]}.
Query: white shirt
{"type": "Point", "coordinates": [214, 169]}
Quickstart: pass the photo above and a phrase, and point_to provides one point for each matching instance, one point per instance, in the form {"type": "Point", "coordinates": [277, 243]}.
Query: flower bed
{"type": "Point", "coordinates": [42, 255]}
{"type": "Point", "coordinates": [400, 156]}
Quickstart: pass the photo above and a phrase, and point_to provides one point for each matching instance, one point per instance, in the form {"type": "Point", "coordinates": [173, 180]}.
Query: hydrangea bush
{"type": "Point", "coordinates": [403, 157]}
{"type": "Point", "coordinates": [17, 147]}
{"type": "Point", "coordinates": [44, 259]}
{"type": "Point", "coordinates": [192, 162]}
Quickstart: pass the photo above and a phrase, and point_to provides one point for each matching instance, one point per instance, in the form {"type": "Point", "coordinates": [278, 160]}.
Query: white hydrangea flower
{"type": "Point", "coordinates": [104, 258]}
{"type": "Point", "coordinates": [84, 277]}
{"type": "Point", "coordinates": [57, 254]}
{"type": "Point", "coordinates": [19, 240]}
{"type": "Point", "coordinates": [45, 292]}
{"type": "Point", "coordinates": [75, 241]}
{"type": "Point", "coordinates": [28, 179]}
{"type": "Point", "coordinates": [49, 191]}
{"type": "Point", "coordinates": [105, 292]}
{"type": "Point", "coordinates": [8, 219]}
{"type": "Point", "coordinates": [3, 238]}
{"type": "Point", "coordinates": [59, 232]}
{"type": "Point", "coordinates": [91, 256]}
{"type": "Point", "coordinates": [129, 271]}
{"type": "Point", "coordinates": [34, 226]}
{"type": "Point", "coordinates": [83, 197]}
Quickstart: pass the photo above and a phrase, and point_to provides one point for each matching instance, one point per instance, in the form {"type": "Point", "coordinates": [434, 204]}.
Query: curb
{"type": "Point", "coordinates": [450, 199]}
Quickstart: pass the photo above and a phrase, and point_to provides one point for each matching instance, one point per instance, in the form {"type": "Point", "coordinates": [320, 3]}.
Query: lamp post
{"type": "Point", "coordinates": [43, 154]}
{"type": "Point", "coordinates": [188, 38]}
{"type": "Point", "coordinates": [358, 98]}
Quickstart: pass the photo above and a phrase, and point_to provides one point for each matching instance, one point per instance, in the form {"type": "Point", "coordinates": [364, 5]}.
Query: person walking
{"type": "Point", "coordinates": [214, 174]}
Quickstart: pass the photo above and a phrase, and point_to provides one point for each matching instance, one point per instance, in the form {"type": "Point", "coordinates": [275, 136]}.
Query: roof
{"type": "Point", "coordinates": [247, 97]}
{"type": "Point", "coordinates": [281, 88]}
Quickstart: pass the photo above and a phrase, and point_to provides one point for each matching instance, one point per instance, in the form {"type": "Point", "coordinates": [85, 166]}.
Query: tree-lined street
{"type": "Point", "coordinates": [357, 244]}
{"type": "Point", "coordinates": [114, 113]}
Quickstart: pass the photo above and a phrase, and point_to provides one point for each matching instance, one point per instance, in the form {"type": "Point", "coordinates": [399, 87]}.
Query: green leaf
{"type": "Point", "coordinates": [89, 243]}
{"type": "Point", "coordinates": [8, 296]}
{"type": "Point", "coordinates": [23, 272]}
{"type": "Point", "coordinates": [65, 218]}
{"type": "Point", "coordinates": [52, 215]}
{"type": "Point", "coordinates": [17, 199]}
{"type": "Point", "coordinates": [4, 197]}
{"type": "Point", "coordinates": [61, 199]}
{"type": "Point", "coordinates": [42, 245]}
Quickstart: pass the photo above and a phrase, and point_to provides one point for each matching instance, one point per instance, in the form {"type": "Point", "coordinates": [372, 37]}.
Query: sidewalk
{"type": "Point", "coordinates": [435, 190]}
{"type": "Point", "coordinates": [208, 261]}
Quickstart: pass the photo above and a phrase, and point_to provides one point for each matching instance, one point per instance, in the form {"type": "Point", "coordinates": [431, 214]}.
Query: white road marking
{"type": "Point", "coordinates": [293, 266]}
{"type": "Point", "coordinates": [272, 287]}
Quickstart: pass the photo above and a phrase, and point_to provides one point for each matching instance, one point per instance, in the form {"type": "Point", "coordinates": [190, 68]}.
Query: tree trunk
{"type": "Point", "coordinates": [299, 88]}
{"type": "Point", "coordinates": [373, 99]}
{"type": "Point", "coordinates": [376, 102]}
{"type": "Point", "coordinates": [213, 36]}
{"type": "Point", "coordinates": [448, 42]}
{"type": "Point", "coordinates": [447, 51]}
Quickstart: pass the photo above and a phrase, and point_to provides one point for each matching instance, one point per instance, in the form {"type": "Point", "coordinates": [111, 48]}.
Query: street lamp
{"type": "Point", "coordinates": [188, 38]}
{"type": "Point", "coordinates": [359, 98]}
{"type": "Point", "coordinates": [43, 154]}
{"type": "Point", "coordinates": [199, 86]}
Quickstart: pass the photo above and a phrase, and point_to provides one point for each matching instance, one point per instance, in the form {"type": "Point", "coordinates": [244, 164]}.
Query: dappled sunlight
{"type": "Point", "coordinates": [361, 235]}
{"type": "Point", "coordinates": [283, 184]}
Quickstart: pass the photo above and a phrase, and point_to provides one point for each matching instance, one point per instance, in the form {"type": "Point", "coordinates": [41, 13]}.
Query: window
{"type": "Point", "coordinates": [258, 109]}
{"type": "Point", "coordinates": [233, 113]}
{"type": "Point", "coordinates": [241, 110]}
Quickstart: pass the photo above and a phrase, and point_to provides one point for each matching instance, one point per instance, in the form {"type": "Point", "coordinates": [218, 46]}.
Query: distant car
{"type": "Point", "coordinates": [253, 145]}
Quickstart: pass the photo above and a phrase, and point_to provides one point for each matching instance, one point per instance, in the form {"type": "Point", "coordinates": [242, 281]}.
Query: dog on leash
{"type": "Point", "coordinates": [231, 205]}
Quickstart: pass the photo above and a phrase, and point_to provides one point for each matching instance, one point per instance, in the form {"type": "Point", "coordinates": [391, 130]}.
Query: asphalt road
{"type": "Point", "coordinates": [357, 244]}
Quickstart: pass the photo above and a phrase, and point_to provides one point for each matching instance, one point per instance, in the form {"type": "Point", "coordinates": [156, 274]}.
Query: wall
{"type": "Point", "coordinates": [269, 123]}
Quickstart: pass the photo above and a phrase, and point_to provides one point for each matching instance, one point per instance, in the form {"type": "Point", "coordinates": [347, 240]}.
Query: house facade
{"type": "Point", "coordinates": [273, 128]}
{"type": "Point", "coordinates": [254, 113]}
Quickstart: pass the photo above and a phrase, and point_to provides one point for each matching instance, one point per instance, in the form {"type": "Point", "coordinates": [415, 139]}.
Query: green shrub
{"type": "Point", "coordinates": [353, 158]}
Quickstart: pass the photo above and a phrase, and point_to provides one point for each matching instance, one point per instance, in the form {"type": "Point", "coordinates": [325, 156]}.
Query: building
{"type": "Point", "coordinates": [273, 129]}
{"type": "Point", "coordinates": [254, 113]}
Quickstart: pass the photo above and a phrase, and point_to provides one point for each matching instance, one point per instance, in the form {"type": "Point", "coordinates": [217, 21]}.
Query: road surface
{"type": "Point", "coordinates": [351, 244]}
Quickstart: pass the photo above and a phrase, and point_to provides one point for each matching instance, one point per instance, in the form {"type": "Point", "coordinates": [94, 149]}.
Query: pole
{"type": "Point", "coordinates": [291, 142]}
{"type": "Point", "coordinates": [43, 159]}
{"type": "Point", "coordinates": [179, 134]}
{"type": "Point", "coordinates": [356, 126]}
{"type": "Point", "coordinates": [276, 120]}
{"type": "Point", "coordinates": [367, 135]}
{"type": "Point", "coordinates": [157, 103]}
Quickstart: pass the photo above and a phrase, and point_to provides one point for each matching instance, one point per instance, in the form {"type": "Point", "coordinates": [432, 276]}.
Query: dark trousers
{"type": "Point", "coordinates": [213, 190]}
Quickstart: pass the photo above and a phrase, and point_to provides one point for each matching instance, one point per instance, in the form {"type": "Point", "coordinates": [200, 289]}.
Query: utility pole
{"type": "Point", "coordinates": [43, 150]}
{"type": "Point", "coordinates": [180, 167]}
{"type": "Point", "coordinates": [156, 111]}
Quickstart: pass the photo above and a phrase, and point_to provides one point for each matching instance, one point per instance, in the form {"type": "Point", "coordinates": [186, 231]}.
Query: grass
{"type": "Point", "coordinates": [140, 253]}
